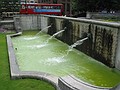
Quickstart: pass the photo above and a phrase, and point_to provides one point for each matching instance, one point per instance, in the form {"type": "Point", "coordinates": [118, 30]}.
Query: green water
{"type": "Point", "coordinates": [33, 55]}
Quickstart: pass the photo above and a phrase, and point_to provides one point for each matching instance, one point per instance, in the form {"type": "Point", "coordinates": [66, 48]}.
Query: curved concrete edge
{"type": "Point", "coordinates": [17, 74]}
{"type": "Point", "coordinates": [72, 83]}
{"type": "Point", "coordinates": [116, 87]}
{"type": "Point", "coordinates": [41, 76]}
{"type": "Point", "coordinates": [93, 86]}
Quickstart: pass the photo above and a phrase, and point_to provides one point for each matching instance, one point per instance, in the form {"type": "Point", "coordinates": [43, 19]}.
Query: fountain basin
{"type": "Point", "coordinates": [81, 66]}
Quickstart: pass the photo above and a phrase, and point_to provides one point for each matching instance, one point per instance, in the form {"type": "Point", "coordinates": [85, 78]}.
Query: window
{"type": "Point", "coordinates": [23, 6]}
{"type": "Point", "coordinates": [32, 6]}
{"type": "Point", "coordinates": [31, 1]}
{"type": "Point", "coordinates": [29, 7]}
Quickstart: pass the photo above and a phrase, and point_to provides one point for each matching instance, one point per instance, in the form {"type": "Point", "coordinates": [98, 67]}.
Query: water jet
{"type": "Point", "coordinates": [55, 34]}
{"type": "Point", "coordinates": [44, 29]}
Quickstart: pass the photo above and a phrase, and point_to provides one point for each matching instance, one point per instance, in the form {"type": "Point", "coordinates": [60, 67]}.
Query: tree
{"type": "Point", "coordinates": [9, 6]}
{"type": "Point", "coordinates": [96, 5]}
{"type": "Point", "coordinates": [55, 1]}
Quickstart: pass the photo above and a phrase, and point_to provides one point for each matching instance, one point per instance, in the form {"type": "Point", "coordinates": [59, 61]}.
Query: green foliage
{"type": "Point", "coordinates": [54, 1]}
{"type": "Point", "coordinates": [96, 5]}
{"type": "Point", "coordinates": [22, 84]}
{"type": "Point", "coordinates": [110, 19]}
{"type": "Point", "coordinates": [9, 6]}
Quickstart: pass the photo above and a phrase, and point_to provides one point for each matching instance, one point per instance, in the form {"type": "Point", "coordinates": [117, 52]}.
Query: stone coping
{"type": "Point", "coordinates": [91, 21]}
{"type": "Point", "coordinates": [84, 20]}
{"type": "Point", "coordinates": [60, 83]}
{"type": "Point", "coordinates": [73, 83]}
{"type": "Point", "coordinates": [93, 86]}
{"type": "Point", "coordinates": [7, 21]}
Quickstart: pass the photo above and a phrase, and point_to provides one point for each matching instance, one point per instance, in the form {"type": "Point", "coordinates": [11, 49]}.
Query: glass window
{"type": "Point", "coordinates": [32, 6]}
{"type": "Point", "coordinates": [23, 6]}
{"type": "Point", "coordinates": [29, 7]}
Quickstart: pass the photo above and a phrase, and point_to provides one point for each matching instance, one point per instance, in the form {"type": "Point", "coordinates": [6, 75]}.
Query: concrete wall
{"type": "Point", "coordinates": [44, 22]}
{"type": "Point", "coordinates": [117, 62]}
{"type": "Point", "coordinates": [103, 43]}
{"type": "Point", "coordinates": [7, 25]}
{"type": "Point", "coordinates": [29, 22]}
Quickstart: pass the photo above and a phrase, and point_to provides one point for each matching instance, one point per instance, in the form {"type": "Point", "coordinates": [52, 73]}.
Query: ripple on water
{"type": "Point", "coordinates": [30, 38]}
{"type": "Point", "coordinates": [54, 61]}
{"type": "Point", "coordinates": [37, 46]}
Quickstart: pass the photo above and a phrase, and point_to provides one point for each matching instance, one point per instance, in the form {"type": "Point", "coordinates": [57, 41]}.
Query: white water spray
{"type": "Point", "coordinates": [43, 29]}
{"type": "Point", "coordinates": [46, 42]}
{"type": "Point", "coordinates": [55, 35]}
{"type": "Point", "coordinates": [79, 42]}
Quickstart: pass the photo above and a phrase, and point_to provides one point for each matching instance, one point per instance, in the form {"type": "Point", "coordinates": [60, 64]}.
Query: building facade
{"type": "Point", "coordinates": [67, 6]}
{"type": "Point", "coordinates": [29, 1]}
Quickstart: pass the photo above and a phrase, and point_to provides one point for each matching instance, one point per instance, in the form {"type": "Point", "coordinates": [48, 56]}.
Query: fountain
{"type": "Point", "coordinates": [31, 38]}
{"type": "Point", "coordinates": [79, 42]}
{"type": "Point", "coordinates": [46, 42]}
{"type": "Point", "coordinates": [61, 58]}
{"type": "Point", "coordinates": [43, 29]}
{"type": "Point", "coordinates": [55, 34]}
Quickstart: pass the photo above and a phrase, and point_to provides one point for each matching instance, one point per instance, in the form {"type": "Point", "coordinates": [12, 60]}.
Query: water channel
{"type": "Point", "coordinates": [32, 55]}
